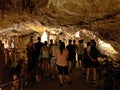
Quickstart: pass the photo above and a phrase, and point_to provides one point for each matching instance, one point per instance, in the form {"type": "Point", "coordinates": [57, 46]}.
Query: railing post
{"type": "Point", "coordinates": [99, 79]}
{"type": "Point", "coordinates": [22, 86]}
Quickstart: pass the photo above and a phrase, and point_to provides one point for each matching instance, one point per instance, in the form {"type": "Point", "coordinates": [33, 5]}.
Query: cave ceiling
{"type": "Point", "coordinates": [101, 16]}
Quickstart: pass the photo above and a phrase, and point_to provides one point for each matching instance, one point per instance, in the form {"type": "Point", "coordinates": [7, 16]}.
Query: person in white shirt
{"type": "Point", "coordinates": [53, 48]}
{"type": "Point", "coordinates": [80, 50]}
{"type": "Point", "coordinates": [45, 57]}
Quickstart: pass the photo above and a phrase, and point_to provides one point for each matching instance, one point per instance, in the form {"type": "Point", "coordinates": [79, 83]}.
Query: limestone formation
{"type": "Point", "coordinates": [102, 17]}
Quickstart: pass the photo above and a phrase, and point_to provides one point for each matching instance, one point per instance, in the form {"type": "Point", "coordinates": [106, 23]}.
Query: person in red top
{"type": "Point", "coordinates": [62, 65]}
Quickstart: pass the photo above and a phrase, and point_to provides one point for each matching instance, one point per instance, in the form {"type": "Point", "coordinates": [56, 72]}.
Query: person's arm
{"type": "Point", "coordinates": [50, 52]}
{"type": "Point", "coordinates": [67, 53]}
{"type": "Point", "coordinates": [88, 50]}
{"type": "Point", "coordinates": [40, 54]}
{"type": "Point", "coordinates": [90, 57]}
{"type": "Point", "coordinates": [56, 55]}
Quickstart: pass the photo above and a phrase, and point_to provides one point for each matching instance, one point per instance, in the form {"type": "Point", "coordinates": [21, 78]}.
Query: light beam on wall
{"type": "Point", "coordinates": [44, 37]}
{"type": "Point", "coordinates": [107, 47]}
{"type": "Point", "coordinates": [77, 34]}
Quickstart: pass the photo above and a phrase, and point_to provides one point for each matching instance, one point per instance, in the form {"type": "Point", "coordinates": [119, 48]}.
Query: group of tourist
{"type": "Point", "coordinates": [63, 57]}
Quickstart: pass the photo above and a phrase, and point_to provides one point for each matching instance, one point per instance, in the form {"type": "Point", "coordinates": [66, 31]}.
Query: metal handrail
{"type": "Point", "coordinates": [114, 80]}
{"type": "Point", "coordinates": [22, 78]}
{"type": "Point", "coordinates": [102, 68]}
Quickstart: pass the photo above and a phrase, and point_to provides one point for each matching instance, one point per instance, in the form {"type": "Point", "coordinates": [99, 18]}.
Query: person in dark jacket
{"type": "Point", "coordinates": [92, 53]}
{"type": "Point", "coordinates": [38, 46]}
{"type": "Point", "coordinates": [70, 49]}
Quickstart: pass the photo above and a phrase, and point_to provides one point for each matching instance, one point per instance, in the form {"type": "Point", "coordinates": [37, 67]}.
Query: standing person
{"type": "Point", "coordinates": [87, 62]}
{"type": "Point", "coordinates": [31, 55]}
{"type": "Point", "coordinates": [62, 66]}
{"type": "Point", "coordinates": [93, 53]}
{"type": "Point", "coordinates": [74, 53]}
{"type": "Point", "coordinates": [60, 41]}
{"type": "Point", "coordinates": [80, 49]}
{"type": "Point", "coordinates": [51, 43]}
{"type": "Point", "coordinates": [45, 57]}
{"type": "Point", "coordinates": [31, 58]}
{"type": "Point", "coordinates": [50, 46]}
{"type": "Point", "coordinates": [38, 46]}
{"type": "Point", "coordinates": [70, 49]}
{"type": "Point", "coordinates": [53, 59]}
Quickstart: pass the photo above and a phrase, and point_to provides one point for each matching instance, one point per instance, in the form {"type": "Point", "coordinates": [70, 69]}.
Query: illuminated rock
{"type": "Point", "coordinates": [102, 17]}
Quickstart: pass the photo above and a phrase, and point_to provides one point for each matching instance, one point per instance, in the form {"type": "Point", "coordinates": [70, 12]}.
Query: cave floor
{"type": "Point", "coordinates": [78, 83]}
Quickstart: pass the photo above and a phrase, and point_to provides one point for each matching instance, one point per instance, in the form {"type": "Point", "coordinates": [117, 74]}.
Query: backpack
{"type": "Point", "coordinates": [94, 53]}
{"type": "Point", "coordinates": [85, 55]}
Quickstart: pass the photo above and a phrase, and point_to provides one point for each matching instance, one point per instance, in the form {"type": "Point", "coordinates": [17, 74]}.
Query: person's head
{"type": "Point", "coordinates": [88, 44]}
{"type": "Point", "coordinates": [93, 42]}
{"type": "Point", "coordinates": [51, 41]}
{"type": "Point", "coordinates": [45, 43]}
{"type": "Point", "coordinates": [31, 39]}
{"type": "Point", "coordinates": [70, 41]}
{"type": "Point", "coordinates": [60, 41]}
{"type": "Point", "coordinates": [38, 38]}
{"type": "Point", "coordinates": [81, 41]}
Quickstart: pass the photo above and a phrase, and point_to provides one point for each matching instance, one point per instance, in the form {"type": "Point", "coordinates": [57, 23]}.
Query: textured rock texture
{"type": "Point", "coordinates": [99, 16]}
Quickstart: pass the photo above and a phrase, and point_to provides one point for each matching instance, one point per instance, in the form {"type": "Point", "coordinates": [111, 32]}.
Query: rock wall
{"type": "Point", "coordinates": [101, 16]}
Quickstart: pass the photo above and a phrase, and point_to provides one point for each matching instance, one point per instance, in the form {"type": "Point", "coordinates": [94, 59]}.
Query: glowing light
{"type": "Point", "coordinates": [44, 37]}
{"type": "Point", "coordinates": [77, 34]}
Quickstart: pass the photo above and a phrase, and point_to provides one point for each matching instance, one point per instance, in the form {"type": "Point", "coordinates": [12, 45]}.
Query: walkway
{"type": "Point", "coordinates": [78, 83]}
